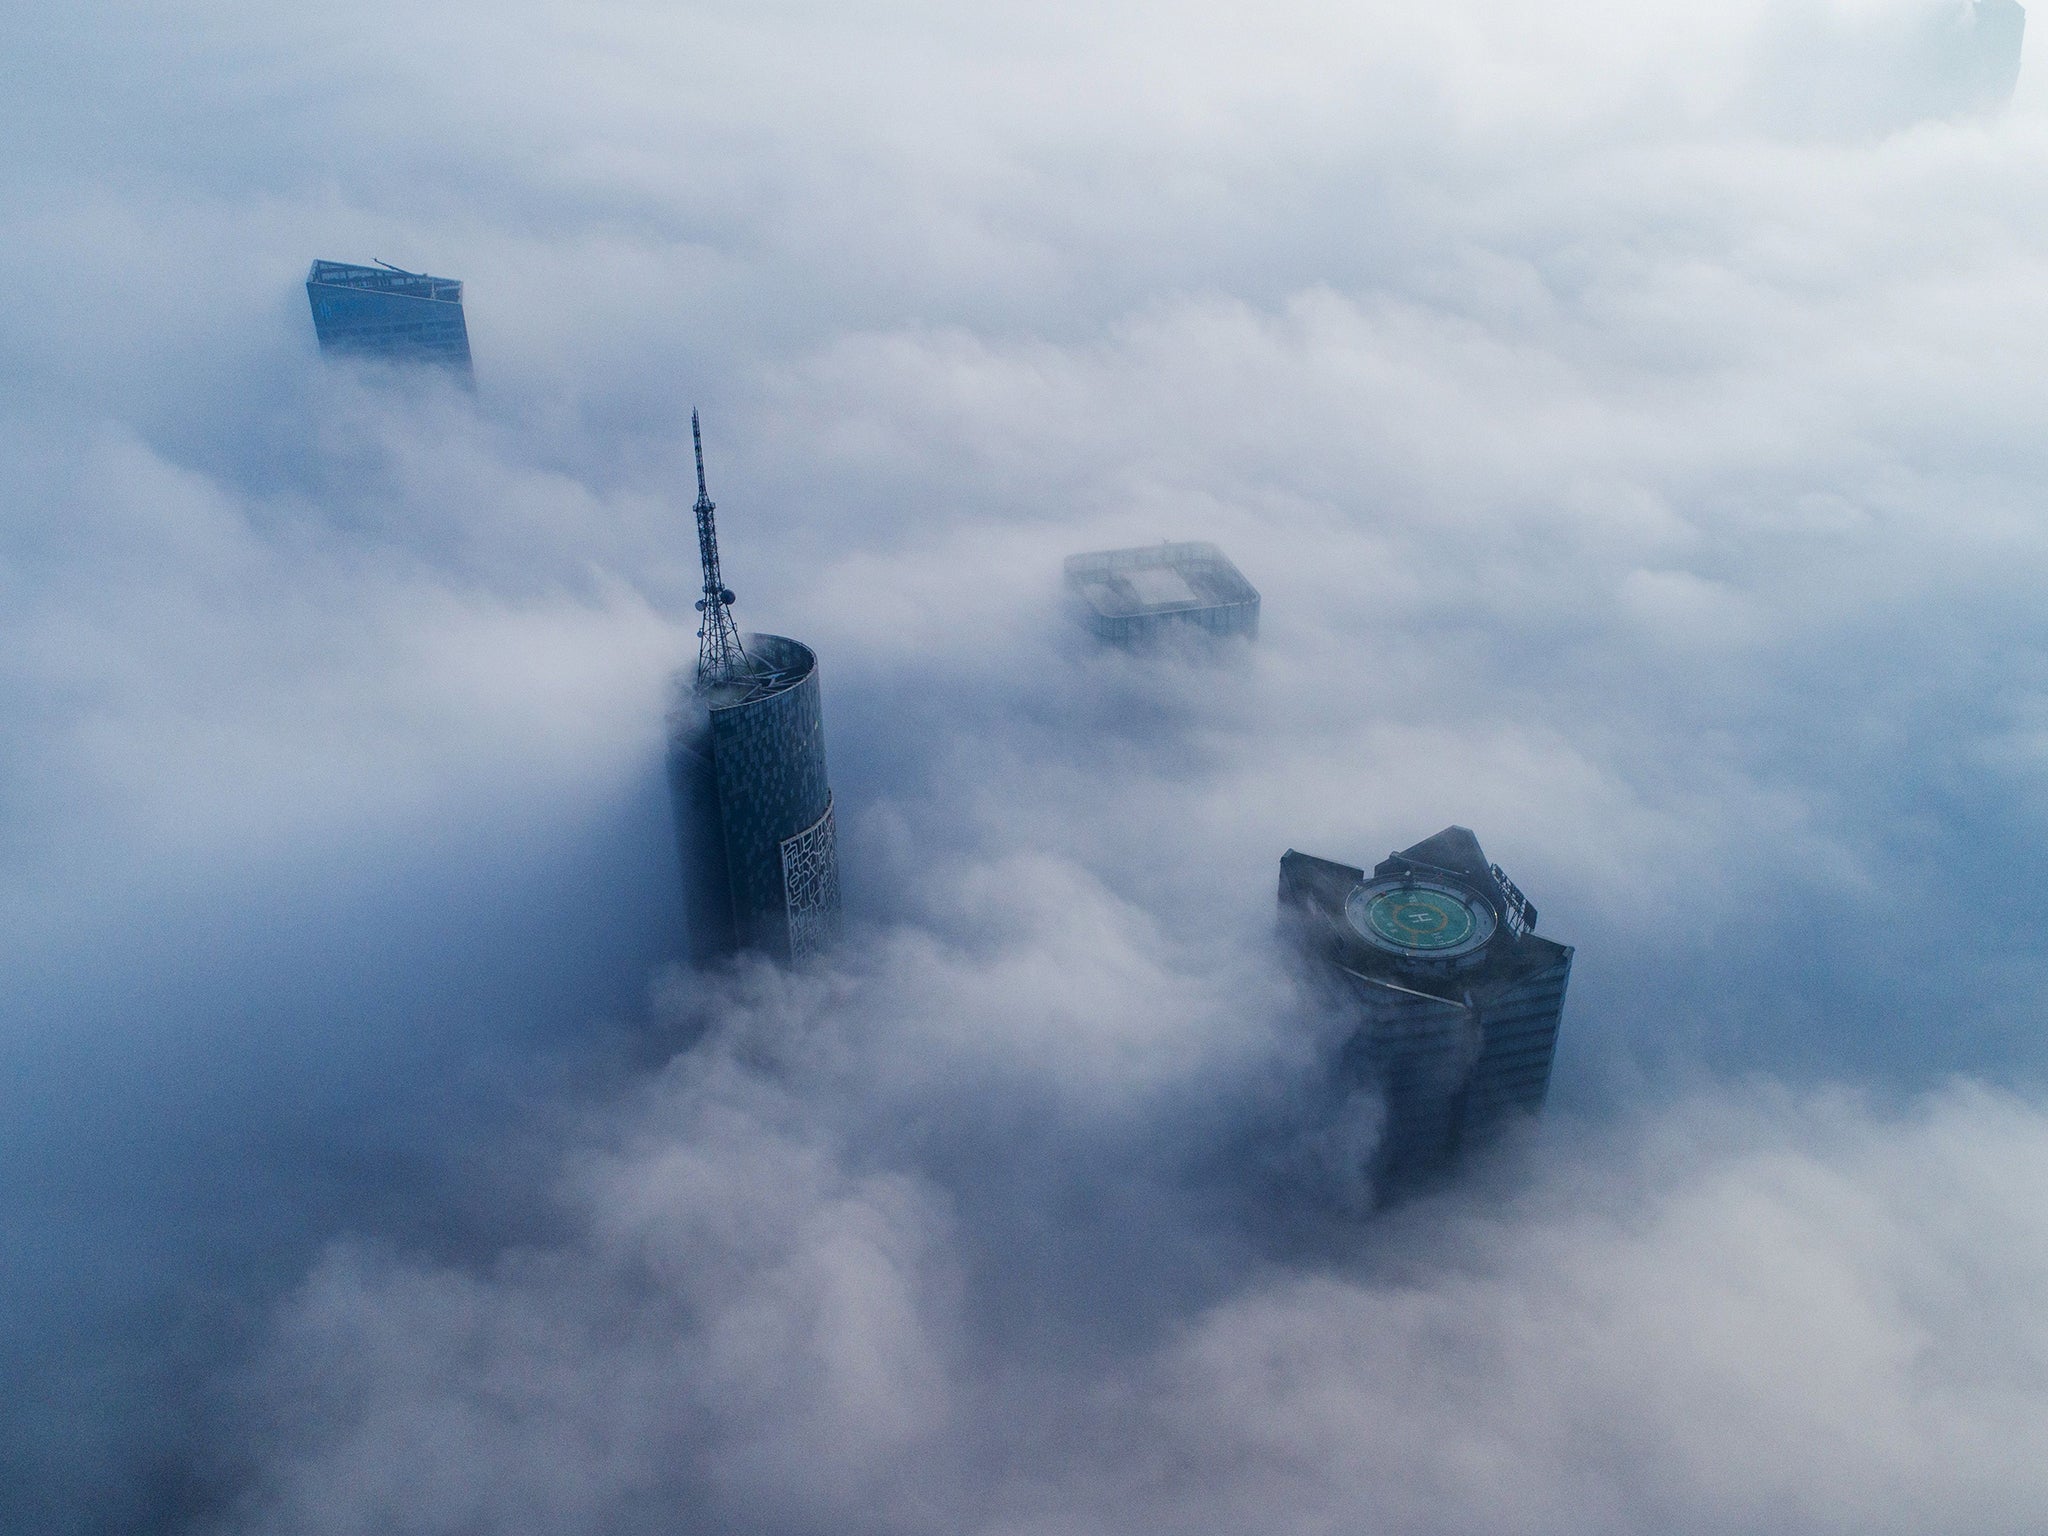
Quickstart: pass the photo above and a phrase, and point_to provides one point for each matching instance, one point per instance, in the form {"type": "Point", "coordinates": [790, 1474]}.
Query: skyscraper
{"type": "Point", "coordinates": [384, 312]}
{"type": "Point", "coordinates": [1456, 1000]}
{"type": "Point", "coordinates": [747, 773]}
{"type": "Point", "coordinates": [1140, 597]}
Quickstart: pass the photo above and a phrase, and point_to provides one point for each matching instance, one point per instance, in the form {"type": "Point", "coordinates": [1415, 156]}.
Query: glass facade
{"type": "Point", "coordinates": [385, 313]}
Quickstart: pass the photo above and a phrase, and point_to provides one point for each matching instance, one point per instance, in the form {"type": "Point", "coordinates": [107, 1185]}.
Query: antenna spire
{"type": "Point", "coordinates": [719, 653]}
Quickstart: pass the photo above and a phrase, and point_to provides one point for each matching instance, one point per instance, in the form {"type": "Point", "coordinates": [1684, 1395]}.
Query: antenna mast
{"type": "Point", "coordinates": [719, 653]}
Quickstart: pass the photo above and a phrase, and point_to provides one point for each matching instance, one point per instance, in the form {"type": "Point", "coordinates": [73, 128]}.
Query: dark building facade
{"type": "Point", "coordinates": [1457, 1000]}
{"type": "Point", "coordinates": [386, 313]}
{"type": "Point", "coordinates": [754, 810]}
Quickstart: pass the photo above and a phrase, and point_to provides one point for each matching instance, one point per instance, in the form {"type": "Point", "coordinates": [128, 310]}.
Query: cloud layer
{"type": "Point", "coordinates": [1787, 1315]}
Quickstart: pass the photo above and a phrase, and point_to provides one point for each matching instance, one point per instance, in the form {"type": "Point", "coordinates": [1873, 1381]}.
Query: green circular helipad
{"type": "Point", "coordinates": [1420, 917]}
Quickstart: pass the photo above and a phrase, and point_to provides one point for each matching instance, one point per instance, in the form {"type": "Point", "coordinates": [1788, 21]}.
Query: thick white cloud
{"type": "Point", "coordinates": [1773, 1311]}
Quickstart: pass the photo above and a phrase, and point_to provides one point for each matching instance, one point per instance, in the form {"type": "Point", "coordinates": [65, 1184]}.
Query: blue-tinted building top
{"type": "Point", "coordinates": [754, 810]}
{"type": "Point", "coordinates": [388, 313]}
{"type": "Point", "coordinates": [1141, 596]}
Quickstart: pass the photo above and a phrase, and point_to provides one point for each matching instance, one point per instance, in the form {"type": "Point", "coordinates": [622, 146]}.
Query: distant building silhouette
{"type": "Point", "coordinates": [1456, 1000]}
{"type": "Point", "coordinates": [1989, 65]}
{"type": "Point", "coordinates": [747, 773]}
{"type": "Point", "coordinates": [1139, 597]}
{"type": "Point", "coordinates": [1879, 69]}
{"type": "Point", "coordinates": [387, 313]}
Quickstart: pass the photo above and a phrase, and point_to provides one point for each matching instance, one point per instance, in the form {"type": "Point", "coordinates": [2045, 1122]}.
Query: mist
{"type": "Point", "coordinates": [1629, 420]}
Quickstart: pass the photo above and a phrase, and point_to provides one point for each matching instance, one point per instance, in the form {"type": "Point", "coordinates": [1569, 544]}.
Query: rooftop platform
{"type": "Point", "coordinates": [1128, 596]}
{"type": "Point", "coordinates": [774, 664]}
{"type": "Point", "coordinates": [411, 285]}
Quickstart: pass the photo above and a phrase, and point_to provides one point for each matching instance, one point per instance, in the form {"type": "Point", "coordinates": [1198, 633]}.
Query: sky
{"type": "Point", "coordinates": [1629, 416]}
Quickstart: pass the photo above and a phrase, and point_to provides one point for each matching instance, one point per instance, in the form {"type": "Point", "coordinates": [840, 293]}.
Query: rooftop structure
{"type": "Point", "coordinates": [747, 774]}
{"type": "Point", "coordinates": [1456, 999]}
{"type": "Point", "coordinates": [721, 659]}
{"type": "Point", "coordinates": [386, 312]}
{"type": "Point", "coordinates": [1141, 596]}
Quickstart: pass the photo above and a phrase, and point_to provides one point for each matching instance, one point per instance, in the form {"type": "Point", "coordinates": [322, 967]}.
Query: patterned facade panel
{"type": "Point", "coordinates": [810, 884]}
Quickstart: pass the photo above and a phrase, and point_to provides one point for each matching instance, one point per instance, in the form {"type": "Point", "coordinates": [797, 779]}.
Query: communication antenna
{"type": "Point", "coordinates": [719, 653]}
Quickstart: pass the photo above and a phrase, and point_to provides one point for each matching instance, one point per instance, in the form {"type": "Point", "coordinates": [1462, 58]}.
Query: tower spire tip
{"type": "Point", "coordinates": [719, 652]}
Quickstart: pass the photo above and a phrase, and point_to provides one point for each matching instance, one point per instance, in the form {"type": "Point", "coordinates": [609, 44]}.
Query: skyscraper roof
{"type": "Point", "coordinates": [386, 312]}
{"type": "Point", "coordinates": [1133, 595]}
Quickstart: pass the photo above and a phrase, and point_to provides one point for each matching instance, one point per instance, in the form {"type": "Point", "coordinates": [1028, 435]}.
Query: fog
{"type": "Point", "coordinates": [1630, 420]}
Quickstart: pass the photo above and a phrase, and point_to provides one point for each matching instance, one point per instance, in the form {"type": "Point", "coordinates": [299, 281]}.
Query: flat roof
{"type": "Point", "coordinates": [1160, 586]}
{"type": "Point", "coordinates": [1158, 578]}
{"type": "Point", "coordinates": [384, 279]}
{"type": "Point", "coordinates": [773, 664]}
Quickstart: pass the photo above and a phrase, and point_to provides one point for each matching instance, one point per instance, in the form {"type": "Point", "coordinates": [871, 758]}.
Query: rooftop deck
{"type": "Point", "coordinates": [1123, 592]}
{"type": "Point", "coordinates": [411, 285]}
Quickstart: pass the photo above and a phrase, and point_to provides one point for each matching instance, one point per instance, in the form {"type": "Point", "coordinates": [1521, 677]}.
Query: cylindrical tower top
{"type": "Point", "coordinates": [761, 808]}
